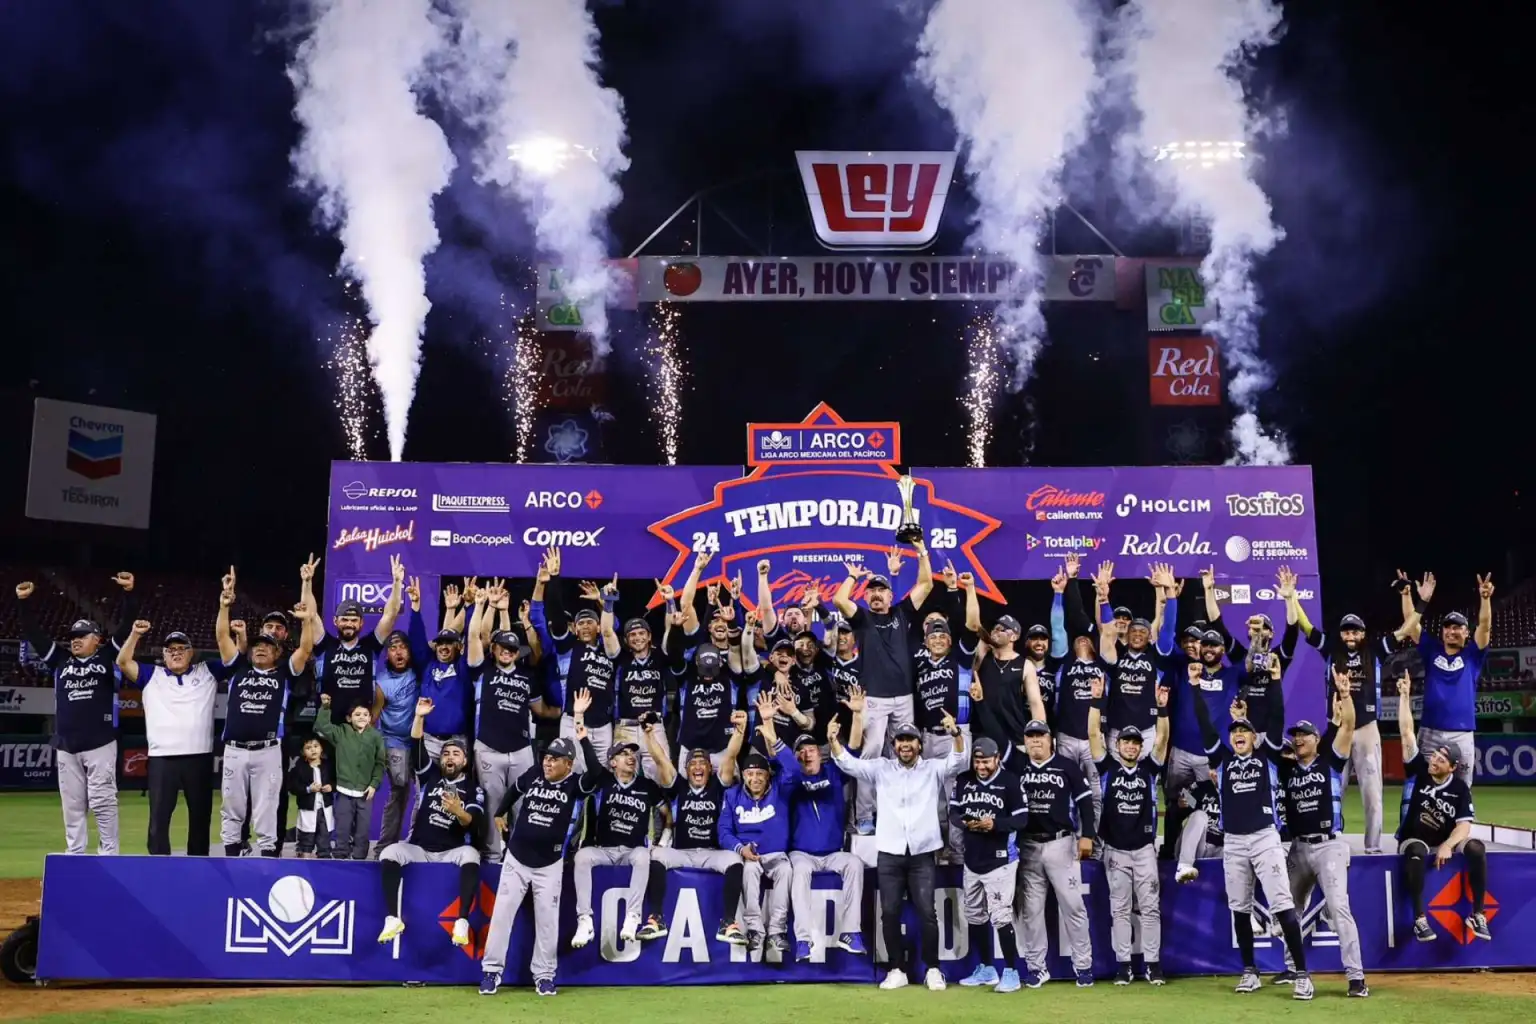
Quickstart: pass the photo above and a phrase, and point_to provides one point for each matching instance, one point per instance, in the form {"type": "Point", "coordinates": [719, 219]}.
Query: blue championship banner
{"type": "Point", "coordinates": [198, 919]}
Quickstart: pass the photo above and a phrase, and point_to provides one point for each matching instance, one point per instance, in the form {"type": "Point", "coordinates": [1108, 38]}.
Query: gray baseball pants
{"type": "Point", "coordinates": [1193, 845]}
{"type": "Point", "coordinates": [1260, 858]}
{"type": "Point", "coordinates": [253, 784]}
{"type": "Point", "coordinates": [638, 858]}
{"type": "Point", "coordinates": [397, 765]}
{"type": "Point", "coordinates": [1365, 765]}
{"type": "Point", "coordinates": [88, 784]}
{"type": "Point", "coordinates": [702, 860]}
{"type": "Point", "coordinates": [776, 867]}
{"type": "Point", "coordinates": [850, 903]}
{"type": "Point", "coordinates": [496, 772]}
{"type": "Point", "coordinates": [1327, 865]}
{"type": "Point", "coordinates": [881, 716]}
{"type": "Point", "coordinates": [1074, 749]}
{"type": "Point", "coordinates": [1459, 742]}
{"type": "Point", "coordinates": [516, 881]}
{"type": "Point", "coordinates": [1134, 873]}
{"type": "Point", "coordinates": [1184, 768]}
{"type": "Point", "coordinates": [1054, 865]}
{"type": "Point", "coordinates": [988, 899]}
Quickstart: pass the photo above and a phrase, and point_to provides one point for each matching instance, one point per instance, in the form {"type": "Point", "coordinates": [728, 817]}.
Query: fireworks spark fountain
{"type": "Point", "coordinates": [520, 384]}
{"type": "Point", "coordinates": [666, 377]}
{"type": "Point", "coordinates": [348, 367]}
{"type": "Point", "coordinates": [984, 352]}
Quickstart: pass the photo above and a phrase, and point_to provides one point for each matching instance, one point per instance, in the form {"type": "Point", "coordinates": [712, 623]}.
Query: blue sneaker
{"type": "Point", "coordinates": [851, 942]}
{"type": "Point", "coordinates": [545, 987]}
{"type": "Point", "coordinates": [865, 828]}
{"type": "Point", "coordinates": [984, 974]}
{"type": "Point", "coordinates": [1085, 979]}
{"type": "Point", "coordinates": [490, 981]}
{"type": "Point", "coordinates": [802, 951]}
{"type": "Point", "coordinates": [1034, 979]}
{"type": "Point", "coordinates": [1010, 981]}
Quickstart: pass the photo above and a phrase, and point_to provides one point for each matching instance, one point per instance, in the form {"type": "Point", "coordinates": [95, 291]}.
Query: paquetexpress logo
{"type": "Point", "coordinates": [470, 503]}
{"type": "Point", "coordinates": [94, 449]}
{"type": "Point", "coordinates": [289, 921]}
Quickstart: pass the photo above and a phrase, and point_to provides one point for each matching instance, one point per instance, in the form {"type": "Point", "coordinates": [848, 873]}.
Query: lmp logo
{"type": "Point", "coordinates": [876, 200]}
{"type": "Point", "coordinates": [1453, 903]}
{"type": "Point", "coordinates": [289, 922]}
{"type": "Point", "coordinates": [1314, 922]}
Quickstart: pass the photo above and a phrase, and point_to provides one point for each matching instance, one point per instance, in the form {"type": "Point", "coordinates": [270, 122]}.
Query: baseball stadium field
{"type": "Point", "coordinates": [30, 827]}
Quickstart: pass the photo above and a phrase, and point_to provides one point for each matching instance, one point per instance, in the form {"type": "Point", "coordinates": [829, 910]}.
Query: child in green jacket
{"type": "Point", "coordinates": [359, 761]}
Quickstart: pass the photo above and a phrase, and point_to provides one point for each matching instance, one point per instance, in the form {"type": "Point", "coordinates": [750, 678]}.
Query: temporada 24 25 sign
{"type": "Point", "coordinates": [1184, 371]}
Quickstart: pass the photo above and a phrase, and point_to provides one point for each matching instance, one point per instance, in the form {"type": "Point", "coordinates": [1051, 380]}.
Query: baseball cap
{"type": "Point", "coordinates": [347, 608]}
{"type": "Point", "coordinates": [585, 615]}
{"type": "Point", "coordinates": [560, 747]}
{"type": "Point", "coordinates": [1211, 638]}
{"type": "Point", "coordinates": [706, 661]}
{"type": "Point", "coordinates": [1454, 619]}
{"type": "Point", "coordinates": [878, 581]}
{"type": "Point", "coordinates": [1037, 630]}
{"type": "Point", "coordinates": [276, 616]}
{"type": "Point", "coordinates": [1302, 728]}
{"type": "Point", "coordinates": [1241, 723]}
{"type": "Point", "coordinates": [936, 626]}
{"type": "Point", "coordinates": [1009, 623]}
{"type": "Point", "coordinates": [1130, 732]}
{"type": "Point", "coordinates": [783, 643]}
{"type": "Point", "coordinates": [805, 739]}
{"type": "Point", "coordinates": [397, 636]}
{"type": "Point", "coordinates": [506, 638]}
{"type": "Point", "coordinates": [699, 754]}
{"type": "Point", "coordinates": [259, 638]}
{"type": "Point", "coordinates": [1445, 752]}
{"type": "Point", "coordinates": [447, 636]}
{"type": "Point", "coordinates": [756, 760]}
{"type": "Point", "coordinates": [1352, 622]}
{"type": "Point", "coordinates": [843, 626]}
{"type": "Point", "coordinates": [178, 637]}
{"type": "Point", "coordinates": [906, 731]}
{"type": "Point", "coordinates": [622, 748]}
{"type": "Point", "coordinates": [84, 627]}
{"type": "Point", "coordinates": [1122, 612]}
{"type": "Point", "coordinates": [1262, 619]}
{"type": "Point", "coordinates": [1143, 623]}
{"type": "Point", "coordinates": [636, 624]}
{"type": "Point", "coordinates": [985, 746]}
{"type": "Point", "coordinates": [1035, 727]}
{"type": "Point", "coordinates": [1193, 633]}
{"type": "Point", "coordinates": [454, 742]}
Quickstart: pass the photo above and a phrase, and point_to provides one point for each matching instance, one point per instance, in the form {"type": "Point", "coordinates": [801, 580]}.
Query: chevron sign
{"type": "Point", "coordinates": [94, 449]}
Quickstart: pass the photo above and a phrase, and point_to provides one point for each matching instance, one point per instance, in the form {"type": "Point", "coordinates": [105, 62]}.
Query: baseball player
{"type": "Point", "coordinates": [85, 683]}
{"type": "Point", "coordinates": [1453, 661]}
{"type": "Point", "coordinates": [259, 685]}
{"type": "Point", "coordinates": [347, 656]}
{"type": "Point", "coordinates": [1312, 787]}
{"type": "Point", "coordinates": [1200, 835]}
{"type": "Point", "coordinates": [706, 692]}
{"type": "Point", "coordinates": [591, 669]}
{"type": "Point", "coordinates": [1249, 789]}
{"type": "Point", "coordinates": [1128, 783]}
{"type": "Point", "coordinates": [625, 800]}
{"type": "Point", "coordinates": [989, 810]}
{"type": "Point", "coordinates": [449, 811]}
{"type": "Point", "coordinates": [1218, 688]}
{"type": "Point", "coordinates": [940, 692]}
{"type": "Point", "coordinates": [1133, 666]}
{"type": "Point", "coordinates": [547, 799]}
{"type": "Point", "coordinates": [697, 796]}
{"type": "Point", "coordinates": [1436, 821]}
{"type": "Point", "coordinates": [642, 680]}
{"type": "Point", "coordinates": [816, 803]}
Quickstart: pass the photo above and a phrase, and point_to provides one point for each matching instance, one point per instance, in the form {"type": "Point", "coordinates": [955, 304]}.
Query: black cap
{"type": "Point", "coordinates": [178, 637]}
{"type": "Point", "coordinates": [1454, 619]}
{"type": "Point", "coordinates": [756, 760]}
{"type": "Point", "coordinates": [1211, 638]}
{"type": "Point", "coordinates": [878, 581]}
{"type": "Point", "coordinates": [1122, 612]}
{"type": "Point", "coordinates": [560, 747]}
{"type": "Point", "coordinates": [1302, 728]}
{"type": "Point", "coordinates": [1352, 622]}
{"type": "Point", "coordinates": [805, 739]}
{"type": "Point", "coordinates": [1130, 732]}
{"type": "Point", "coordinates": [906, 731]}
{"type": "Point", "coordinates": [699, 754]}
{"type": "Point", "coordinates": [1009, 623]}
{"type": "Point", "coordinates": [506, 638]}
{"type": "Point", "coordinates": [447, 636]}
{"type": "Point", "coordinates": [622, 748]}
{"type": "Point", "coordinates": [1143, 623]}
{"type": "Point", "coordinates": [1193, 633]}
{"type": "Point", "coordinates": [706, 661]}
{"type": "Point", "coordinates": [1037, 630]}
{"type": "Point", "coordinates": [1241, 723]}
{"type": "Point", "coordinates": [347, 608]}
{"type": "Point", "coordinates": [454, 742]}
{"type": "Point", "coordinates": [985, 746]}
{"type": "Point", "coordinates": [1445, 752]}
{"type": "Point", "coordinates": [585, 615]}
{"type": "Point", "coordinates": [937, 626]}
{"type": "Point", "coordinates": [843, 626]}
{"type": "Point", "coordinates": [259, 638]}
{"type": "Point", "coordinates": [397, 636]}
{"type": "Point", "coordinates": [85, 627]}
{"type": "Point", "coordinates": [783, 643]}
{"type": "Point", "coordinates": [278, 616]}
{"type": "Point", "coordinates": [1035, 727]}
{"type": "Point", "coordinates": [636, 624]}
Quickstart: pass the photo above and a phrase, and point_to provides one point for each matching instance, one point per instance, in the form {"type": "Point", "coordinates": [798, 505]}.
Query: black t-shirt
{"type": "Point", "coordinates": [1363, 664]}
{"type": "Point", "coordinates": [1430, 812]}
{"type": "Point", "coordinates": [502, 701]}
{"type": "Point", "coordinates": [347, 672]}
{"type": "Point", "coordinates": [845, 675]}
{"type": "Point", "coordinates": [642, 685]}
{"type": "Point", "coordinates": [1129, 817]}
{"type": "Point", "coordinates": [546, 818]}
{"type": "Point", "coordinates": [1132, 690]}
{"type": "Point", "coordinates": [938, 689]}
{"type": "Point", "coordinates": [1056, 794]}
{"type": "Point", "coordinates": [1003, 710]}
{"type": "Point", "coordinates": [1000, 798]}
{"type": "Point", "coordinates": [258, 700]}
{"type": "Point", "coordinates": [696, 813]}
{"type": "Point", "coordinates": [433, 828]}
{"type": "Point", "coordinates": [624, 812]}
{"type": "Point", "coordinates": [1075, 695]}
{"type": "Point", "coordinates": [884, 646]}
{"type": "Point", "coordinates": [592, 670]}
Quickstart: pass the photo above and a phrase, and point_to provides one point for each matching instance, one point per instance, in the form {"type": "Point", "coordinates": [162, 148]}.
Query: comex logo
{"type": "Point", "coordinates": [1453, 902]}
{"type": "Point", "coordinates": [289, 921]}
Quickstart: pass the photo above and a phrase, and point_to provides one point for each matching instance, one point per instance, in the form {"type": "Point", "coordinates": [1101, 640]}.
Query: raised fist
{"type": "Point", "coordinates": [24, 591]}
{"type": "Point", "coordinates": [125, 580]}
{"type": "Point", "coordinates": [140, 627]}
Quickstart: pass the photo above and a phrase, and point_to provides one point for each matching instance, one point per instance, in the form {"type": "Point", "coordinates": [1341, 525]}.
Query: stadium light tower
{"type": "Point", "coordinates": [1201, 155]}
{"type": "Point", "coordinates": [544, 156]}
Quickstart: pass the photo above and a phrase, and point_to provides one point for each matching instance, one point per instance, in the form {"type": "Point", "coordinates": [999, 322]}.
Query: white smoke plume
{"type": "Point", "coordinates": [1183, 61]}
{"type": "Point", "coordinates": [526, 75]}
{"type": "Point", "coordinates": [376, 162]}
{"type": "Point", "coordinates": [1017, 77]}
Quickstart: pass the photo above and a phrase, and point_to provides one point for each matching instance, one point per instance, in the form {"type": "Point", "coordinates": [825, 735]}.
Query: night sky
{"type": "Point", "coordinates": [157, 257]}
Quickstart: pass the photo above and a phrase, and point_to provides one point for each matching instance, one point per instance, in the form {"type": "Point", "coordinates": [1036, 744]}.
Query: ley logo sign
{"type": "Point", "coordinates": [876, 200]}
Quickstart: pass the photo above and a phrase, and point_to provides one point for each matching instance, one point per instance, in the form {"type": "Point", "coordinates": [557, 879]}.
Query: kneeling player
{"type": "Point", "coordinates": [1436, 820]}
{"type": "Point", "coordinates": [450, 813]}
{"type": "Point", "coordinates": [988, 809]}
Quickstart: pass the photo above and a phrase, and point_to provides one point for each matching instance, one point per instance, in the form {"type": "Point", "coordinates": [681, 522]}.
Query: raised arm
{"type": "Point", "coordinates": [972, 607]}
{"type": "Point", "coordinates": [1484, 631]}
{"type": "Point", "coordinates": [749, 659]}
{"type": "Point", "coordinates": [733, 747]}
{"type": "Point", "coordinates": [1160, 740]}
{"type": "Point", "coordinates": [1212, 606]}
{"type": "Point", "coordinates": [221, 635]}
{"type": "Point", "coordinates": [126, 663]}
{"type": "Point", "coordinates": [843, 598]}
{"type": "Point", "coordinates": [765, 598]}
{"type": "Point", "coordinates": [655, 743]}
{"type": "Point", "coordinates": [396, 599]}
{"type": "Point", "coordinates": [1344, 712]}
{"type": "Point", "coordinates": [1032, 693]}
{"type": "Point", "coordinates": [610, 598]}
{"type": "Point", "coordinates": [691, 590]}
{"type": "Point", "coordinates": [856, 702]}
{"type": "Point", "coordinates": [1095, 721]}
{"type": "Point", "coordinates": [128, 611]}
{"type": "Point", "coordinates": [1408, 735]}
{"type": "Point", "coordinates": [475, 641]}
{"type": "Point", "coordinates": [924, 585]}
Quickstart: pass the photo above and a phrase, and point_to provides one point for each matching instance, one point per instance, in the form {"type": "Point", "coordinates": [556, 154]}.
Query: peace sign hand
{"type": "Point", "coordinates": [1485, 586]}
{"type": "Point", "coordinates": [307, 570]}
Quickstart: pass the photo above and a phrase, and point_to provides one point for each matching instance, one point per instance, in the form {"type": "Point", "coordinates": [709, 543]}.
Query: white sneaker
{"type": "Point", "coordinates": [1186, 873]}
{"type": "Point", "coordinates": [934, 980]}
{"type": "Point", "coordinates": [894, 979]}
{"type": "Point", "coordinates": [631, 926]}
{"type": "Point", "coordinates": [393, 926]}
{"type": "Point", "coordinates": [583, 932]}
{"type": "Point", "coordinates": [461, 932]}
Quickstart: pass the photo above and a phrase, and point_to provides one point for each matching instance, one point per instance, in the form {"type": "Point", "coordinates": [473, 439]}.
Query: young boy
{"type": "Point", "coordinates": [312, 782]}
{"type": "Point", "coordinates": [359, 770]}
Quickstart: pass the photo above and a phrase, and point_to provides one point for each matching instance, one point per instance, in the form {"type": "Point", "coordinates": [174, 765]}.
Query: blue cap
{"type": "Point", "coordinates": [1241, 723]}
{"type": "Point", "coordinates": [560, 747]}
{"type": "Point", "coordinates": [1037, 728]}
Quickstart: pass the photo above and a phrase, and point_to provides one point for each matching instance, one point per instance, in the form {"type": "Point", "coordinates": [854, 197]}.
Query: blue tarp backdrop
{"type": "Point", "coordinates": [195, 919]}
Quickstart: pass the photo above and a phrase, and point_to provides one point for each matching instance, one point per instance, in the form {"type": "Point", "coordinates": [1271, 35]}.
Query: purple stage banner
{"type": "Point", "coordinates": [250, 919]}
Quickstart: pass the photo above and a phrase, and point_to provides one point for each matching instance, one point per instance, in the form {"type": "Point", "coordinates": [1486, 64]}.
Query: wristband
{"type": "Point", "coordinates": [609, 600]}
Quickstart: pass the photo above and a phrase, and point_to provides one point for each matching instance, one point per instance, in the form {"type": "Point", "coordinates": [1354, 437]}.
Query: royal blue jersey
{"type": "Point", "coordinates": [1450, 685]}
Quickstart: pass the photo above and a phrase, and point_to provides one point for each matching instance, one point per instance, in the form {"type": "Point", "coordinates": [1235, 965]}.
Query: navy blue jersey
{"type": "Point", "coordinates": [1047, 677]}
{"type": "Point", "coordinates": [503, 697]}
{"type": "Point", "coordinates": [547, 815]}
{"type": "Point", "coordinates": [1075, 695]}
{"type": "Point", "coordinates": [1132, 690]}
{"type": "Point", "coordinates": [1128, 820]}
{"type": "Point", "coordinates": [1202, 796]}
{"type": "Point", "coordinates": [1001, 798]}
{"type": "Point", "coordinates": [1431, 811]}
{"type": "Point", "coordinates": [592, 670]}
{"type": "Point", "coordinates": [258, 700]}
{"type": "Point", "coordinates": [817, 683]}
{"type": "Point", "coordinates": [624, 811]}
{"type": "Point", "coordinates": [696, 813]}
{"type": "Point", "coordinates": [845, 675]}
{"type": "Point", "coordinates": [1314, 793]}
{"type": "Point", "coordinates": [642, 685]}
{"type": "Point", "coordinates": [1055, 793]}
{"type": "Point", "coordinates": [938, 690]}
{"type": "Point", "coordinates": [706, 709]}
{"type": "Point", "coordinates": [1363, 665]}
{"type": "Point", "coordinates": [85, 697]}
{"type": "Point", "coordinates": [433, 828]}
{"type": "Point", "coordinates": [1249, 787]}
{"type": "Point", "coordinates": [347, 672]}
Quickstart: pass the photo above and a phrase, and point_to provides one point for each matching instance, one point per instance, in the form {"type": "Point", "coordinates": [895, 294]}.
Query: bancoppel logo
{"type": "Point", "coordinates": [563, 499]}
{"type": "Point", "coordinates": [1162, 506]}
{"type": "Point", "coordinates": [469, 503]}
{"type": "Point", "coordinates": [289, 922]}
{"type": "Point", "coordinates": [1167, 544]}
{"type": "Point", "coordinates": [537, 538]}
{"type": "Point", "coordinates": [876, 200]}
{"type": "Point", "coordinates": [1267, 594]}
{"type": "Point", "coordinates": [1242, 593]}
{"type": "Point", "coordinates": [1266, 503]}
{"type": "Point", "coordinates": [441, 538]}
{"type": "Point", "coordinates": [479, 540]}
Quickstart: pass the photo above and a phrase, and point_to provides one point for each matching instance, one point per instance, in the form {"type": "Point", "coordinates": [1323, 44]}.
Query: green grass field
{"type": "Point", "coordinates": [30, 826]}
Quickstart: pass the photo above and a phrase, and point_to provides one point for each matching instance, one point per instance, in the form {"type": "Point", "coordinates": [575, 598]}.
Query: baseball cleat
{"type": "Point", "coordinates": [802, 952]}
{"type": "Point", "coordinates": [583, 932]}
{"type": "Point", "coordinates": [1034, 978]}
{"type": "Point", "coordinates": [1186, 873]}
{"type": "Point", "coordinates": [1009, 982]}
{"type": "Point", "coordinates": [754, 941]}
{"type": "Point", "coordinates": [1123, 974]}
{"type": "Point", "coordinates": [984, 974]}
{"type": "Point", "coordinates": [1285, 977]}
{"type": "Point", "coordinates": [1422, 931]}
{"type": "Point", "coordinates": [779, 944]}
{"type": "Point", "coordinates": [731, 932]}
{"type": "Point", "coordinates": [631, 928]}
{"type": "Point", "coordinates": [1084, 979]}
{"type": "Point", "coordinates": [865, 828]}
{"type": "Point", "coordinates": [894, 979]}
{"type": "Point", "coordinates": [393, 926]}
{"type": "Point", "coordinates": [654, 928]}
{"type": "Point", "coordinates": [1358, 988]}
{"type": "Point", "coordinates": [1302, 989]}
{"type": "Point", "coordinates": [851, 942]}
{"type": "Point", "coordinates": [490, 981]}
{"type": "Point", "coordinates": [935, 980]}
{"type": "Point", "coordinates": [1153, 973]}
{"type": "Point", "coordinates": [1477, 924]}
{"type": "Point", "coordinates": [545, 987]}
{"type": "Point", "coordinates": [1249, 982]}
{"type": "Point", "coordinates": [461, 932]}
